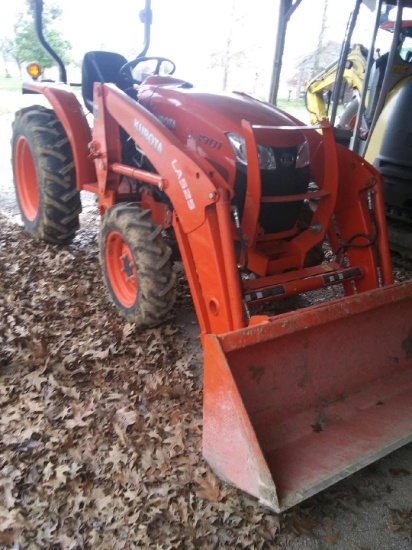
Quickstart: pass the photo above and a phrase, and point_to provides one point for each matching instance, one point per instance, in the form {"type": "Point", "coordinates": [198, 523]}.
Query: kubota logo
{"type": "Point", "coordinates": [147, 135]}
{"type": "Point", "coordinates": [183, 184]}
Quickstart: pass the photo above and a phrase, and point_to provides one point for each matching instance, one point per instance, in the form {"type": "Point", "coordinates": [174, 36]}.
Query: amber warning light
{"type": "Point", "coordinates": [34, 70]}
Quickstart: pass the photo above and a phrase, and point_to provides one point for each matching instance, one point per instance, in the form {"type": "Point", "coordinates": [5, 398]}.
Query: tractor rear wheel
{"type": "Point", "coordinates": [136, 265]}
{"type": "Point", "coordinates": [44, 176]}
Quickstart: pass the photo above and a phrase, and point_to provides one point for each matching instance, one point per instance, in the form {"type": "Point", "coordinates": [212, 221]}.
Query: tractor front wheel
{"type": "Point", "coordinates": [44, 176]}
{"type": "Point", "coordinates": [136, 265]}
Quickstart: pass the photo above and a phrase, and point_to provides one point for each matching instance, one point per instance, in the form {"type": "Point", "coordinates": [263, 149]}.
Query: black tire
{"type": "Point", "coordinates": [136, 265]}
{"type": "Point", "coordinates": [44, 176]}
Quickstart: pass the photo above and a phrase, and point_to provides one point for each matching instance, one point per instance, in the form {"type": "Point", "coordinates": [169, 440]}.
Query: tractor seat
{"type": "Point", "coordinates": [99, 66]}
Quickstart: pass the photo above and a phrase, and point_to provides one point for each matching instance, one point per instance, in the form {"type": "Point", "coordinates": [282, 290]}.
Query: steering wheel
{"type": "Point", "coordinates": [126, 70]}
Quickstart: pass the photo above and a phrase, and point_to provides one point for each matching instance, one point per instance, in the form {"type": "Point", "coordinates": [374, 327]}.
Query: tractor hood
{"type": "Point", "coordinates": [202, 120]}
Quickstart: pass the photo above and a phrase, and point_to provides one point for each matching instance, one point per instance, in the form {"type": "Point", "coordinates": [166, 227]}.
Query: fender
{"type": "Point", "coordinates": [73, 120]}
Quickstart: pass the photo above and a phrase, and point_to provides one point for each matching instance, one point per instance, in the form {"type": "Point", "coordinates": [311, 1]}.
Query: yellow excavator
{"type": "Point", "coordinates": [376, 123]}
{"type": "Point", "coordinates": [318, 94]}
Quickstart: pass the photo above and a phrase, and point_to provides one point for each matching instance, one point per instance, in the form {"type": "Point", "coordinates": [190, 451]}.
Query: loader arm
{"type": "Point", "coordinates": [200, 199]}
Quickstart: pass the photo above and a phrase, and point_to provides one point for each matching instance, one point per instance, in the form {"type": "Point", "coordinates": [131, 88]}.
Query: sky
{"type": "Point", "coordinates": [189, 31]}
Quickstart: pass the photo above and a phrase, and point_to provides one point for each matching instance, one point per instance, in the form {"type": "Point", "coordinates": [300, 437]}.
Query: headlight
{"type": "Point", "coordinates": [266, 156]}
{"type": "Point", "coordinates": [302, 158]}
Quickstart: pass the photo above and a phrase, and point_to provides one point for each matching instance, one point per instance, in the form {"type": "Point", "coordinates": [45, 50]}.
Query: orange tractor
{"type": "Point", "coordinates": [244, 195]}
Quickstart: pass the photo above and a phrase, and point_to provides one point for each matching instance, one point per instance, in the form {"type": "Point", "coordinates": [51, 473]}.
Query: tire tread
{"type": "Point", "coordinates": [59, 200]}
{"type": "Point", "coordinates": [151, 253]}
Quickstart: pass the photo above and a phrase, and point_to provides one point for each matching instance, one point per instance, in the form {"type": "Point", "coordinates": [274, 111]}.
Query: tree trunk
{"type": "Point", "coordinates": [316, 62]}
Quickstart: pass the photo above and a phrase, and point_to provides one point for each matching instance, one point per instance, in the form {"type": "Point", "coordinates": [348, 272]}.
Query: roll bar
{"type": "Point", "coordinates": [146, 19]}
{"type": "Point", "coordinates": [37, 6]}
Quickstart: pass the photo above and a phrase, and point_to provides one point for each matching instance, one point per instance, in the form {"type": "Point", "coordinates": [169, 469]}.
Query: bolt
{"type": "Point", "coordinates": [122, 258]}
{"type": "Point", "coordinates": [212, 195]}
{"type": "Point", "coordinates": [316, 227]}
{"type": "Point", "coordinates": [236, 217]}
{"type": "Point", "coordinates": [160, 185]}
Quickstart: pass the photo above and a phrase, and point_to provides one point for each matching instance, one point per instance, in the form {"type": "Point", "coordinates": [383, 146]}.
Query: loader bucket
{"type": "Point", "coordinates": [297, 402]}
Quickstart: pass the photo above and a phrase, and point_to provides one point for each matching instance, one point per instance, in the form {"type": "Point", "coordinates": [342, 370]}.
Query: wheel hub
{"type": "Point", "coordinates": [127, 267]}
{"type": "Point", "coordinates": [121, 270]}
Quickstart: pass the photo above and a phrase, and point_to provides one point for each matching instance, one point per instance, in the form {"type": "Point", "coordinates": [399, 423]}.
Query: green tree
{"type": "Point", "coordinates": [229, 55]}
{"type": "Point", "coordinates": [5, 54]}
{"type": "Point", "coordinates": [24, 47]}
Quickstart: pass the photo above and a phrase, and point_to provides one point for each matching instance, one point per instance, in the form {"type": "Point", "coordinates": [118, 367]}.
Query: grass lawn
{"type": "Point", "coordinates": [11, 84]}
{"type": "Point", "coordinates": [296, 108]}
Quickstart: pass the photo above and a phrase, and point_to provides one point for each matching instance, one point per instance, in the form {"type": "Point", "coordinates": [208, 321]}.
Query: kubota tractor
{"type": "Point", "coordinates": [243, 194]}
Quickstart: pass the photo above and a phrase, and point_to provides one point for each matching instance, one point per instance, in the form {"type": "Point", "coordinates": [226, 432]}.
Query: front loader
{"type": "Point", "coordinates": [247, 198]}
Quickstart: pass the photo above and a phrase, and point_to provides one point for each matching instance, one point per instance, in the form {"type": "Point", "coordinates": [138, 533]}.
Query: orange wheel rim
{"type": "Point", "coordinates": [121, 269]}
{"type": "Point", "coordinates": [26, 179]}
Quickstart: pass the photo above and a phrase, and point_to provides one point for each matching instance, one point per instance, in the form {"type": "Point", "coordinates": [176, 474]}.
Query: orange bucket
{"type": "Point", "coordinates": [297, 402]}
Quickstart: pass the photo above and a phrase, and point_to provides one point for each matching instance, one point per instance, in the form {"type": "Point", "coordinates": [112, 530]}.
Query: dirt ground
{"type": "Point", "coordinates": [100, 431]}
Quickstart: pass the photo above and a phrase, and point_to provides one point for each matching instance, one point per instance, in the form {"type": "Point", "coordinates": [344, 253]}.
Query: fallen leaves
{"type": "Point", "coordinates": [402, 522]}
{"type": "Point", "coordinates": [101, 422]}
{"type": "Point", "coordinates": [330, 536]}
{"type": "Point", "coordinates": [399, 472]}
{"type": "Point", "coordinates": [210, 487]}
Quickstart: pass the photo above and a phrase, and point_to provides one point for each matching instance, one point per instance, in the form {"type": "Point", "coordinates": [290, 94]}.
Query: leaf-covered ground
{"type": "Point", "coordinates": [101, 423]}
{"type": "Point", "coordinates": [100, 426]}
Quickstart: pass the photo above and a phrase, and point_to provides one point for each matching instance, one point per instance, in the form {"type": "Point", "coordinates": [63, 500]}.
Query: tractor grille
{"type": "Point", "coordinates": [286, 180]}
